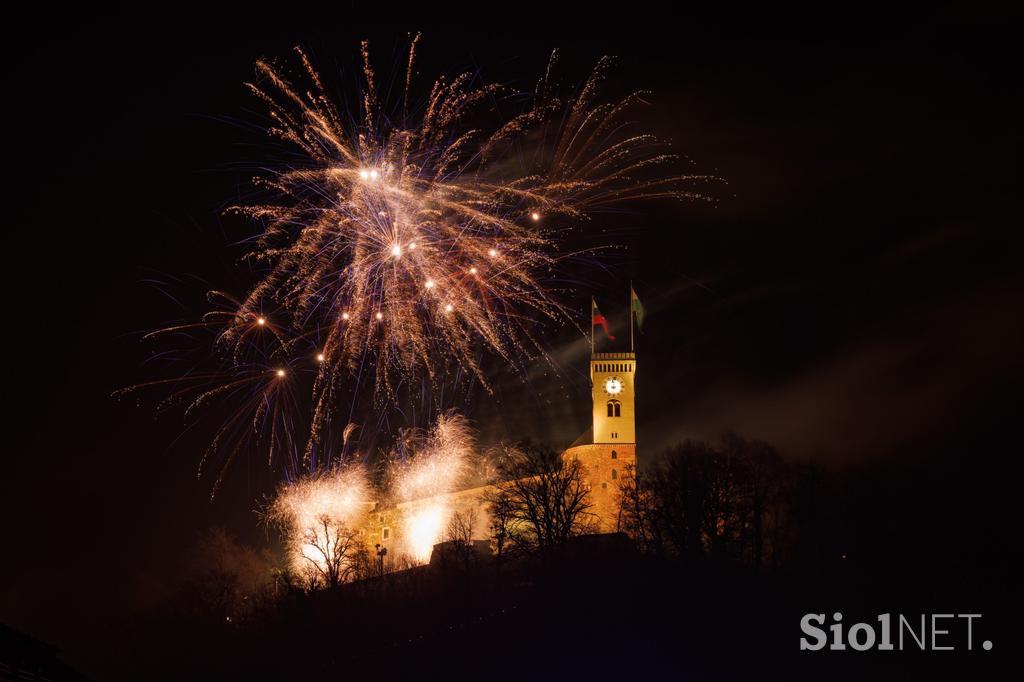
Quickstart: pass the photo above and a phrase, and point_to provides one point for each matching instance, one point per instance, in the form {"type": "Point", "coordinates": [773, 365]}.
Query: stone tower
{"type": "Point", "coordinates": [608, 451]}
{"type": "Point", "coordinates": [613, 391]}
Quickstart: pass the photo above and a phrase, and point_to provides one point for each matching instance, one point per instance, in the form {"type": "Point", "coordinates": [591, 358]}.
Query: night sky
{"type": "Point", "coordinates": [851, 295]}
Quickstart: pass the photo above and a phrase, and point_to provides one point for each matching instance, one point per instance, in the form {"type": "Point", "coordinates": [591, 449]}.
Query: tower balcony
{"type": "Point", "coordinates": [614, 356]}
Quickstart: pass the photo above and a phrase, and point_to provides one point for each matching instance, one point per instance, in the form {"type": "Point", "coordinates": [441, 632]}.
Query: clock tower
{"type": "Point", "coordinates": [613, 390]}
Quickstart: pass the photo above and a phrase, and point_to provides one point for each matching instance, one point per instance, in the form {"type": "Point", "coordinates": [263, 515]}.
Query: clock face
{"type": "Point", "coordinates": [613, 386]}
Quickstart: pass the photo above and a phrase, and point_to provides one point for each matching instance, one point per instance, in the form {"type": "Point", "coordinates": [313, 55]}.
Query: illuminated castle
{"type": "Point", "coordinates": [606, 451]}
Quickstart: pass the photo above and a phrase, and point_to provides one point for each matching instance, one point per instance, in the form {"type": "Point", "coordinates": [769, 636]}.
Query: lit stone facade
{"type": "Point", "coordinates": [604, 466]}
{"type": "Point", "coordinates": [410, 529]}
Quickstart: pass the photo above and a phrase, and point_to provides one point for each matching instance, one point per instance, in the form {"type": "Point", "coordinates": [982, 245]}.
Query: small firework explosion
{"type": "Point", "coordinates": [424, 527]}
{"type": "Point", "coordinates": [431, 463]}
{"type": "Point", "coordinates": [320, 517]}
{"type": "Point", "coordinates": [423, 473]}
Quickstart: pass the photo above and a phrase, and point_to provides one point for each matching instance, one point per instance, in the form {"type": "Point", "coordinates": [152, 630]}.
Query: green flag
{"type": "Point", "coordinates": [636, 308]}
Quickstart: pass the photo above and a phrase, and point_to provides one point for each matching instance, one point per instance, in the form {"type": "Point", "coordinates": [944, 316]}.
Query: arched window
{"type": "Point", "coordinates": [615, 455]}
{"type": "Point", "coordinates": [614, 408]}
{"type": "Point", "coordinates": [615, 474]}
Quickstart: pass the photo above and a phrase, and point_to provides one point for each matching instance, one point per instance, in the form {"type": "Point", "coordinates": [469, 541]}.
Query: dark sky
{"type": "Point", "coordinates": [851, 295]}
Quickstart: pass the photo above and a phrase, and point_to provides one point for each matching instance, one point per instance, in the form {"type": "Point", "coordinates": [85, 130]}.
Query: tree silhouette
{"type": "Point", "coordinates": [725, 501]}
{"type": "Point", "coordinates": [333, 552]}
{"type": "Point", "coordinates": [542, 501]}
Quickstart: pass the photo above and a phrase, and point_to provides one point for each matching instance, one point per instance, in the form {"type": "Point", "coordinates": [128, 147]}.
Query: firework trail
{"type": "Point", "coordinates": [398, 247]}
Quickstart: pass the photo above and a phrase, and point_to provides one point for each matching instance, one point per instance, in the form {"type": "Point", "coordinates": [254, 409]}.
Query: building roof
{"type": "Point", "coordinates": [586, 438]}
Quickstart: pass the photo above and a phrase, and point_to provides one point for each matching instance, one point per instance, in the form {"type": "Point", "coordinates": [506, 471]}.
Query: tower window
{"type": "Point", "coordinates": [614, 408]}
{"type": "Point", "coordinates": [615, 455]}
{"type": "Point", "coordinates": [615, 474]}
{"type": "Point", "coordinates": [385, 533]}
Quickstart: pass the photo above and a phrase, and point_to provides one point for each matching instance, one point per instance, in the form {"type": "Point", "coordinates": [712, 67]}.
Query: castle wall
{"type": "Point", "coordinates": [413, 527]}
{"type": "Point", "coordinates": [606, 466]}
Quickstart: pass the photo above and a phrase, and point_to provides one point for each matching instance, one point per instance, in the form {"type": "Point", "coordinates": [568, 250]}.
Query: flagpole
{"type": "Point", "coordinates": [631, 349]}
{"type": "Point", "coordinates": [592, 333]}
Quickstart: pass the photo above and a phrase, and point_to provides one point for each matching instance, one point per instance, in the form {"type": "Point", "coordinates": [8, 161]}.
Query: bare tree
{"type": "Point", "coordinates": [761, 475]}
{"type": "Point", "coordinates": [680, 488]}
{"type": "Point", "coordinates": [542, 502]}
{"type": "Point", "coordinates": [334, 553]}
{"type": "Point", "coordinates": [459, 537]}
{"type": "Point", "coordinates": [501, 512]}
{"type": "Point", "coordinates": [460, 528]}
{"type": "Point", "coordinates": [637, 512]}
{"type": "Point", "coordinates": [223, 579]}
{"type": "Point", "coordinates": [723, 501]}
{"type": "Point", "coordinates": [725, 520]}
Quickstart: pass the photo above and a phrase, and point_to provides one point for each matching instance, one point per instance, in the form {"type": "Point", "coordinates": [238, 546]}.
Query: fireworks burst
{"type": "Point", "coordinates": [402, 243]}
{"type": "Point", "coordinates": [407, 241]}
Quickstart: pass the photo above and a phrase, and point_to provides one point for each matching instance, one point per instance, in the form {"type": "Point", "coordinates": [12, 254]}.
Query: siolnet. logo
{"type": "Point", "coordinates": [921, 632]}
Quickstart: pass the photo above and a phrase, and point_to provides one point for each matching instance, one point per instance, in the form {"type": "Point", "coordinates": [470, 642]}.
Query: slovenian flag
{"type": "Point", "coordinates": [636, 308]}
{"type": "Point", "coordinates": [599, 319]}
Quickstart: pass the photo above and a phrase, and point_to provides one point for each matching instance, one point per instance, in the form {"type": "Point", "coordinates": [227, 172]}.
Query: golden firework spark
{"type": "Point", "coordinates": [423, 472]}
